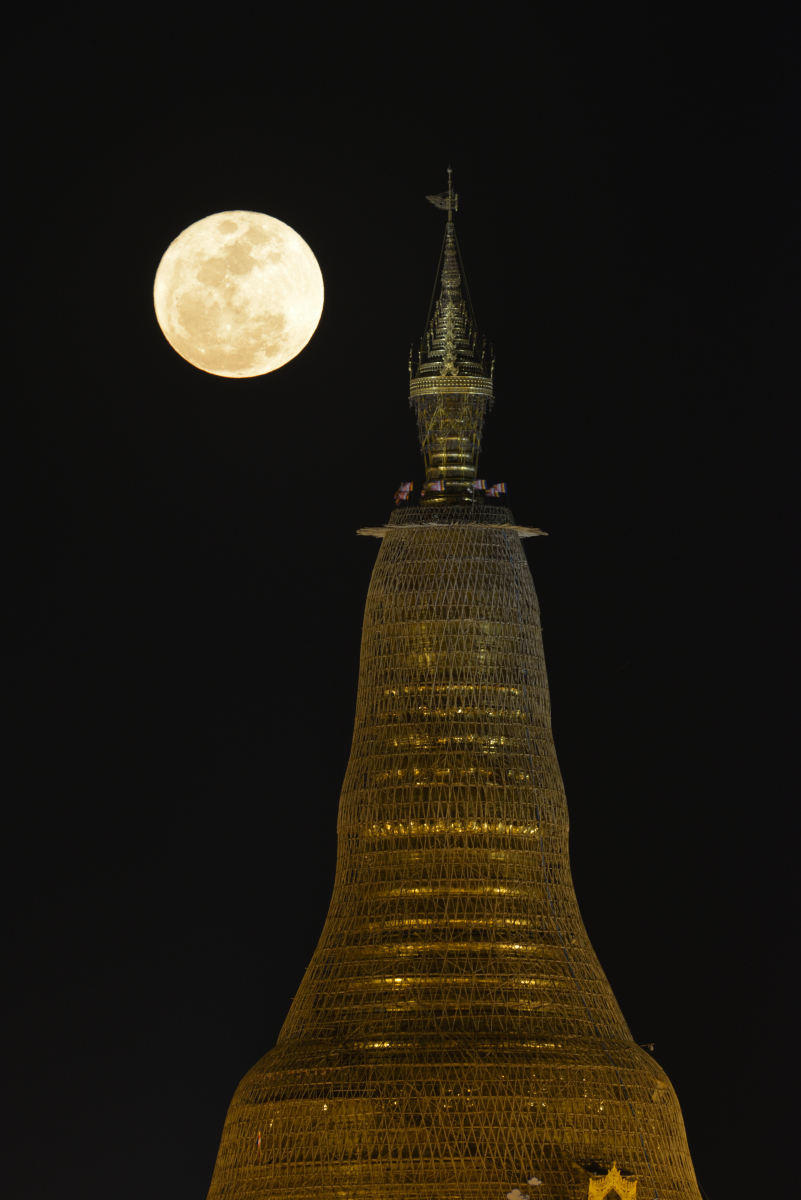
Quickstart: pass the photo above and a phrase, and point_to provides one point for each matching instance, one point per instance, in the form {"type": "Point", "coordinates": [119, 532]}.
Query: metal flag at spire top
{"type": "Point", "coordinates": [447, 200]}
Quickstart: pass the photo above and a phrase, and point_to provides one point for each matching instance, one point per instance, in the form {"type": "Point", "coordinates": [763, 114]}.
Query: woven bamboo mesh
{"type": "Point", "coordinates": [454, 1033]}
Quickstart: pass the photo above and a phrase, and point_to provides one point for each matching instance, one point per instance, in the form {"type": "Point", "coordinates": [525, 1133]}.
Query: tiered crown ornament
{"type": "Point", "coordinates": [451, 383]}
{"type": "Point", "coordinates": [454, 1034]}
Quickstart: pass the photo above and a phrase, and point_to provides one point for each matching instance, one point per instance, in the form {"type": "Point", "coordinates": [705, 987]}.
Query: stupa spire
{"type": "Point", "coordinates": [451, 381]}
{"type": "Point", "coordinates": [454, 1033]}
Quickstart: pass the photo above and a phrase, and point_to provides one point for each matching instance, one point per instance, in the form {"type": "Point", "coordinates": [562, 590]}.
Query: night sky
{"type": "Point", "coordinates": [188, 587]}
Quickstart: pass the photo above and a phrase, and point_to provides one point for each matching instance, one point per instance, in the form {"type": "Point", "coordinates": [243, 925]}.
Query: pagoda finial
{"type": "Point", "coordinates": [451, 384]}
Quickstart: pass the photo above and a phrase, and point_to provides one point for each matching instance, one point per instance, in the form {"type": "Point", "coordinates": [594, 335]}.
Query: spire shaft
{"type": "Point", "coordinates": [451, 384]}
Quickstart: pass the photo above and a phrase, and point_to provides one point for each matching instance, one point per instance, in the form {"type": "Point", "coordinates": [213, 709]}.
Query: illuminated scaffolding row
{"type": "Point", "coordinates": [454, 1033]}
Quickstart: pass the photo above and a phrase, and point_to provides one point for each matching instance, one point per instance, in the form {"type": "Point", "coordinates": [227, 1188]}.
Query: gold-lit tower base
{"type": "Point", "coordinates": [454, 1034]}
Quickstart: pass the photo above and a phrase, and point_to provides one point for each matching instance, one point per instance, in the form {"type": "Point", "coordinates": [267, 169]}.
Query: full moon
{"type": "Point", "coordinates": [238, 294]}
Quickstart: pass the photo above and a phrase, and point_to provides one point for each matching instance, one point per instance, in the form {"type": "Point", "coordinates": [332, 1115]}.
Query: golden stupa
{"type": "Point", "coordinates": [454, 1034]}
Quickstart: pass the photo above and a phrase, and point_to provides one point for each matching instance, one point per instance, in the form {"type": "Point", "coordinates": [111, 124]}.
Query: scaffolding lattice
{"type": "Point", "coordinates": [454, 1032]}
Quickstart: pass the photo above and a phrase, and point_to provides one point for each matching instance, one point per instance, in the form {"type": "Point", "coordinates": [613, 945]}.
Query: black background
{"type": "Point", "coordinates": [190, 584]}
